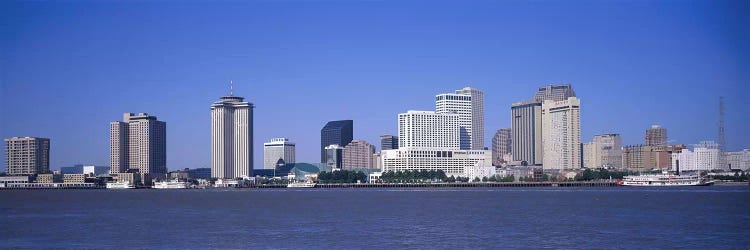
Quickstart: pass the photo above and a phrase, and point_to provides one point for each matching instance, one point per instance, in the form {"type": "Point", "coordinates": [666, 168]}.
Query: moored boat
{"type": "Point", "coordinates": [301, 185]}
{"type": "Point", "coordinates": [172, 184]}
{"type": "Point", "coordinates": [120, 185]}
{"type": "Point", "coordinates": [664, 180]}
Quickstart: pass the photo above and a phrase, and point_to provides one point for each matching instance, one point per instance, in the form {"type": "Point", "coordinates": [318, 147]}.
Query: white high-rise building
{"type": "Point", "coordinates": [704, 157]}
{"type": "Point", "coordinates": [138, 142]}
{"type": "Point", "coordinates": [278, 149]}
{"type": "Point", "coordinates": [477, 116]}
{"type": "Point", "coordinates": [461, 105]}
{"type": "Point", "coordinates": [231, 137]}
{"type": "Point", "coordinates": [427, 129]}
{"type": "Point", "coordinates": [468, 103]}
{"type": "Point", "coordinates": [561, 134]}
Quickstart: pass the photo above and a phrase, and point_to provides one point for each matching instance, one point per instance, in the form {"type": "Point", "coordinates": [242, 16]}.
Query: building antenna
{"type": "Point", "coordinates": [231, 88]}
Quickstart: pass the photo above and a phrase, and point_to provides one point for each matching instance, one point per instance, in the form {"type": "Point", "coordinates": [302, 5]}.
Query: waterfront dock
{"type": "Point", "coordinates": [454, 185]}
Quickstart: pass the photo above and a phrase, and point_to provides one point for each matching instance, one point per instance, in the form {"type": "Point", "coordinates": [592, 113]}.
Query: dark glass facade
{"type": "Point", "coordinates": [335, 132]}
{"type": "Point", "coordinates": [388, 142]}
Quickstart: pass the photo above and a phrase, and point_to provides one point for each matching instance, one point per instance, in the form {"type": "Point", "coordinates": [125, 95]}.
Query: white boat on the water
{"type": "Point", "coordinates": [664, 180]}
{"type": "Point", "coordinates": [171, 184]}
{"type": "Point", "coordinates": [120, 185]}
{"type": "Point", "coordinates": [301, 185]}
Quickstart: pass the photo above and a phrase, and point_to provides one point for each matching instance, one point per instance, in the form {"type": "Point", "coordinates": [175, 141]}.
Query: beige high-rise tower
{"type": "Point", "coordinates": [231, 137]}
{"type": "Point", "coordinates": [561, 134]}
{"type": "Point", "coordinates": [139, 142]}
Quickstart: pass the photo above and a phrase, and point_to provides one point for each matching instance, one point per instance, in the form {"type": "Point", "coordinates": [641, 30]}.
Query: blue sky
{"type": "Point", "coordinates": [69, 68]}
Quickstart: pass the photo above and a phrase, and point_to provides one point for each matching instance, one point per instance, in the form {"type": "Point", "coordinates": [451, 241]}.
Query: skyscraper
{"type": "Point", "coordinates": [477, 116]}
{"type": "Point", "coordinates": [526, 132]}
{"type": "Point", "coordinates": [502, 144]}
{"type": "Point", "coordinates": [138, 142]}
{"type": "Point", "coordinates": [561, 134]}
{"type": "Point", "coordinates": [468, 103]}
{"type": "Point", "coordinates": [427, 129]}
{"type": "Point", "coordinates": [388, 142]}
{"type": "Point", "coordinates": [554, 93]}
{"type": "Point", "coordinates": [335, 132]}
{"type": "Point", "coordinates": [357, 154]}
{"type": "Point", "coordinates": [656, 136]}
{"type": "Point", "coordinates": [460, 105]}
{"type": "Point", "coordinates": [278, 149]}
{"type": "Point", "coordinates": [26, 155]}
{"type": "Point", "coordinates": [231, 137]}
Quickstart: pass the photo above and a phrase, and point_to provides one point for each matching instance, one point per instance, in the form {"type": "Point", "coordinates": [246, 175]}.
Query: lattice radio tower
{"type": "Point", "coordinates": [721, 124]}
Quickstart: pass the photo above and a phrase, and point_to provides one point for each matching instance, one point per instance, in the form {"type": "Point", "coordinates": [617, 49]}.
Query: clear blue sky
{"type": "Point", "coordinates": [69, 68]}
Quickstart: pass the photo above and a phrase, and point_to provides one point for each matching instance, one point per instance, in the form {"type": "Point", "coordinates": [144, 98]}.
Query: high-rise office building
{"type": "Point", "coordinates": [231, 137]}
{"type": "Point", "coordinates": [605, 151]}
{"type": "Point", "coordinates": [26, 155]}
{"type": "Point", "coordinates": [656, 136]}
{"type": "Point", "coordinates": [357, 154]}
{"type": "Point", "coordinates": [460, 105]}
{"type": "Point", "coordinates": [554, 93]}
{"type": "Point", "coordinates": [334, 156]}
{"type": "Point", "coordinates": [388, 142]}
{"type": "Point", "coordinates": [526, 132]}
{"type": "Point", "coordinates": [427, 129]}
{"type": "Point", "coordinates": [561, 134]}
{"type": "Point", "coordinates": [278, 149]}
{"type": "Point", "coordinates": [468, 103]}
{"type": "Point", "coordinates": [477, 116]}
{"type": "Point", "coordinates": [138, 142]}
{"type": "Point", "coordinates": [335, 132]}
{"type": "Point", "coordinates": [502, 144]}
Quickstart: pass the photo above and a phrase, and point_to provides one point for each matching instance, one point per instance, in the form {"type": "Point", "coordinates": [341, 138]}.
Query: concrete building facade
{"type": "Point", "coordinates": [704, 157]}
{"type": "Point", "coordinates": [460, 105]}
{"type": "Point", "coordinates": [427, 129]}
{"type": "Point", "coordinates": [739, 160]}
{"type": "Point", "coordinates": [358, 154]}
{"type": "Point", "coordinates": [477, 116]}
{"type": "Point", "coordinates": [656, 136]}
{"type": "Point", "coordinates": [26, 155]}
{"type": "Point", "coordinates": [454, 162]}
{"type": "Point", "coordinates": [138, 142]}
{"type": "Point", "coordinates": [502, 144]}
{"type": "Point", "coordinates": [231, 137]}
{"type": "Point", "coordinates": [526, 132]}
{"type": "Point", "coordinates": [605, 151]}
{"type": "Point", "coordinates": [554, 93]}
{"type": "Point", "coordinates": [561, 134]}
{"type": "Point", "coordinates": [278, 149]}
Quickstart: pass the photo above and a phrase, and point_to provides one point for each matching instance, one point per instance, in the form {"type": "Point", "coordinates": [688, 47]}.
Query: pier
{"type": "Point", "coordinates": [454, 185]}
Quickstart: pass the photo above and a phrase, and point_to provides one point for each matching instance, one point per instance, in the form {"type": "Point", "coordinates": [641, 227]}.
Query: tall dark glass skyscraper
{"type": "Point", "coordinates": [388, 142]}
{"type": "Point", "coordinates": [335, 132]}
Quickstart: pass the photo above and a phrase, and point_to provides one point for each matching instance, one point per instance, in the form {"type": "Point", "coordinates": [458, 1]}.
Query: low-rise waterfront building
{"type": "Point", "coordinates": [704, 157]}
{"type": "Point", "coordinates": [454, 162]}
{"type": "Point", "coordinates": [739, 160]}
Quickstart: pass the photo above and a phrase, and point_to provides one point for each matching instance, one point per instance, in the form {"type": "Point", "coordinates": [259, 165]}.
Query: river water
{"type": "Point", "coordinates": [614, 217]}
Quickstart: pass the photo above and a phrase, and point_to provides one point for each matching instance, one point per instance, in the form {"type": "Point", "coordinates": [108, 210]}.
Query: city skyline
{"type": "Point", "coordinates": [625, 93]}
